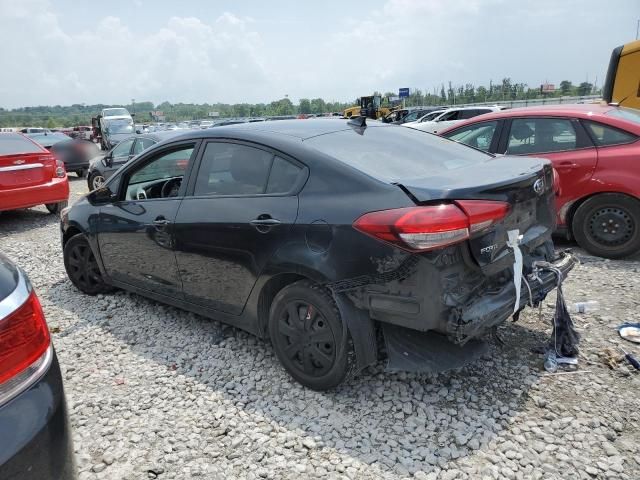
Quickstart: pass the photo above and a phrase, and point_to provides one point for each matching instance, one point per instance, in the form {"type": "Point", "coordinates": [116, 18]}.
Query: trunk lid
{"type": "Point", "coordinates": [26, 169]}
{"type": "Point", "coordinates": [525, 183]}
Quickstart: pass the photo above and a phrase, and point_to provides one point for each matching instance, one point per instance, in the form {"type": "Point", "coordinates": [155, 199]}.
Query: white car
{"type": "Point", "coordinates": [118, 112]}
{"type": "Point", "coordinates": [434, 122]}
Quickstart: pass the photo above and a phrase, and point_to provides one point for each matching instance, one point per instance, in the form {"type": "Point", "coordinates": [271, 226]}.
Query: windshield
{"type": "Point", "coordinates": [430, 116]}
{"type": "Point", "coordinates": [123, 125]}
{"type": "Point", "coordinates": [14, 143]}
{"type": "Point", "coordinates": [114, 112]}
{"type": "Point", "coordinates": [374, 151]}
{"type": "Point", "coordinates": [629, 114]}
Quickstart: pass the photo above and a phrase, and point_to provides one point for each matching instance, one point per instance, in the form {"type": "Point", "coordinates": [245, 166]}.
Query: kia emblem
{"type": "Point", "coordinates": [538, 186]}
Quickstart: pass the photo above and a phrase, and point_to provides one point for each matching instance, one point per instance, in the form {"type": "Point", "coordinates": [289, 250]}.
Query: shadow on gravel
{"type": "Point", "coordinates": [400, 422]}
{"type": "Point", "coordinates": [19, 221]}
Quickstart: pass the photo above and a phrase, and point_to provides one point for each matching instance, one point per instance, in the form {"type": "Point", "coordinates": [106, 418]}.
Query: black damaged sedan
{"type": "Point", "coordinates": [328, 237]}
{"type": "Point", "coordinates": [35, 441]}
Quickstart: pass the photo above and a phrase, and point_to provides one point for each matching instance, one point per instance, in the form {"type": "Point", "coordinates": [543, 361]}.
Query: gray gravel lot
{"type": "Point", "coordinates": [155, 392]}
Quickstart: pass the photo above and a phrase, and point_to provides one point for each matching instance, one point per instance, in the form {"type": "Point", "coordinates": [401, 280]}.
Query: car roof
{"type": "Point", "coordinates": [579, 110]}
{"type": "Point", "coordinates": [299, 129]}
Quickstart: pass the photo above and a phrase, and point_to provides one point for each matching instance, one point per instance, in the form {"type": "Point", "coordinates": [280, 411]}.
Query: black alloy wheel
{"type": "Point", "coordinates": [82, 267]}
{"type": "Point", "coordinates": [309, 337]}
{"type": "Point", "coordinates": [608, 225]}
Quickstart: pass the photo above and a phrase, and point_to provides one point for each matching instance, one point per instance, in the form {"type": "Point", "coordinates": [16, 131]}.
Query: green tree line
{"type": "Point", "coordinates": [504, 91]}
{"type": "Point", "coordinates": [80, 114]}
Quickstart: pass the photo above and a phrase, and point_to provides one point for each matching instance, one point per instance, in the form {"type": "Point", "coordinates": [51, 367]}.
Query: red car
{"type": "Point", "coordinates": [30, 175]}
{"type": "Point", "coordinates": [595, 150]}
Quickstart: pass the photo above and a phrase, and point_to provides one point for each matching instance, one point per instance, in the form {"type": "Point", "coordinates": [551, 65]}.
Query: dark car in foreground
{"type": "Point", "coordinates": [596, 151]}
{"type": "Point", "coordinates": [74, 153]}
{"type": "Point", "coordinates": [102, 168]}
{"type": "Point", "coordinates": [35, 440]}
{"type": "Point", "coordinates": [322, 235]}
{"type": "Point", "coordinates": [30, 175]}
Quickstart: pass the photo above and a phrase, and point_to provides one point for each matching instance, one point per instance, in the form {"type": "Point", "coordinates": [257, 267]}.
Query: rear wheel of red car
{"type": "Point", "coordinates": [309, 336]}
{"type": "Point", "coordinates": [56, 208]}
{"type": "Point", "coordinates": [82, 267]}
{"type": "Point", "coordinates": [608, 225]}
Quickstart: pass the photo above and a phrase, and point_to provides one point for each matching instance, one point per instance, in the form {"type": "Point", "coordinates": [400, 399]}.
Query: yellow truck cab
{"type": "Point", "coordinates": [622, 85]}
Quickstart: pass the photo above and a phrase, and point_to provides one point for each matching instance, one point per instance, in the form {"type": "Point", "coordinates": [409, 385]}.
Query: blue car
{"type": "Point", "coordinates": [35, 440]}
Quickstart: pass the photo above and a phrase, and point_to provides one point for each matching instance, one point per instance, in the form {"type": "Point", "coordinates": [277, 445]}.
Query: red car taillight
{"type": "Point", "coordinates": [24, 338]}
{"type": "Point", "coordinates": [60, 171]}
{"type": "Point", "coordinates": [433, 226]}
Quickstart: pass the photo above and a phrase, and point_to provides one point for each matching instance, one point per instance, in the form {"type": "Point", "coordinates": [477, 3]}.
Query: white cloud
{"type": "Point", "coordinates": [233, 58]}
{"type": "Point", "coordinates": [184, 60]}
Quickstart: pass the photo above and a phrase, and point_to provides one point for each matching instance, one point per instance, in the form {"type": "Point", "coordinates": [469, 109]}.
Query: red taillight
{"type": "Point", "coordinates": [24, 338]}
{"type": "Point", "coordinates": [482, 213]}
{"type": "Point", "coordinates": [60, 171]}
{"type": "Point", "coordinates": [433, 226]}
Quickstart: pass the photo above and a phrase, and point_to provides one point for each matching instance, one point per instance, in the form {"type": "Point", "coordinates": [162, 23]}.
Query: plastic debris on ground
{"type": "Point", "coordinates": [630, 332]}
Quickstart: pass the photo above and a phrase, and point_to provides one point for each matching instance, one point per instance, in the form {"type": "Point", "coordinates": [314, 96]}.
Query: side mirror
{"type": "Point", "coordinates": [101, 196]}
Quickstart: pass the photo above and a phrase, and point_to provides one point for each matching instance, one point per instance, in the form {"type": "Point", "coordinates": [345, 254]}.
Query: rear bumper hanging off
{"type": "Point", "coordinates": [470, 321]}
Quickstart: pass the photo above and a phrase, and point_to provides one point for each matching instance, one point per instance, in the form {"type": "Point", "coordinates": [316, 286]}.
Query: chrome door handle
{"type": "Point", "coordinates": [265, 222]}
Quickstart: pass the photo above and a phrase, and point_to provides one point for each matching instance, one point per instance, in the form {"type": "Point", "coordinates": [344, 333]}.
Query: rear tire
{"type": "Point", "coordinates": [56, 208]}
{"type": "Point", "coordinates": [82, 267]}
{"type": "Point", "coordinates": [608, 225]}
{"type": "Point", "coordinates": [309, 337]}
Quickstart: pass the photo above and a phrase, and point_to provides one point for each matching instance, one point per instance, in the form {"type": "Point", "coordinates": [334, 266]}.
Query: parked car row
{"type": "Point", "coordinates": [439, 119]}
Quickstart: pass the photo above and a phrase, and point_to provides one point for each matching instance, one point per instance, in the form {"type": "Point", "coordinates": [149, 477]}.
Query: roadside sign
{"type": "Point", "coordinates": [403, 92]}
{"type": "Point", "coordinates": [214, 114]}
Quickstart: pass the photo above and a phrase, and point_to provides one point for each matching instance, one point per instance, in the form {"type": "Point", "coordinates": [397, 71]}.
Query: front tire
{"type": "Point", "coordinates": [96, 181]}
{"type": "Point", "coordinates": [309, 337]}
{"type": "Point", "coordinates": [56, 208]}
{"type": "Point", "coordinates": [82, 267]}
{"type": "Point", "coordinates": [608, 225]}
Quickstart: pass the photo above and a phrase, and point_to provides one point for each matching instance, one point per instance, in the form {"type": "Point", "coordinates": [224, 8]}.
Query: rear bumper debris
{"type": "Point", "coordinates": [470, 321]}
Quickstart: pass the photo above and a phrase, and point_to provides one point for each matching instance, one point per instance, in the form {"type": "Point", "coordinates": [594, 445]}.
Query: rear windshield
{"type": "Point", "coordinates": [394, 153]}
{"type": "Point", "coordinates": [12, 143]}
{"type": "Point", "coordinates": [112, 112]}
{"type": "Point", "coordinates": [49, 139]}
{"type": "Point", "coordinates": [629, 114]}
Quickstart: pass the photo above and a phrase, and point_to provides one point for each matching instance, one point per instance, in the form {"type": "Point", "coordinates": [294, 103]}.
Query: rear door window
{"type": "Point", "coordinates": [13, 143]}
{"type": "Point", "coordinates": [121, 151]}
{"type": "Point", "coordinates": [478, 135]}
{"type": "Point", "coordinates": [233, 169]}
{"type": "Point", "coordinates": [450, 116]}
{"type": "Point", "coordinates": [605, 135]}
{"type": "Point", "coordinates": [529, 136]}
{"type": "Point", "coordinates": [141, 145]}
{"type": "Point", "coordinates": [283, 177]}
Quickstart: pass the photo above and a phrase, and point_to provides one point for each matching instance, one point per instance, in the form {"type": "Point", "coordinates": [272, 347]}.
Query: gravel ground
{"type": "Point", "coordinates": [155, 392]}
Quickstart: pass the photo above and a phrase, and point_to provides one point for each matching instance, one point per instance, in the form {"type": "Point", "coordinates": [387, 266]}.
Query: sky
{"type": "Point", "coordinates": [60, 52]}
